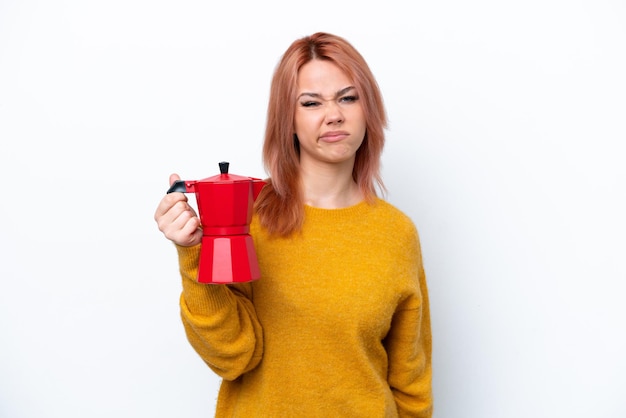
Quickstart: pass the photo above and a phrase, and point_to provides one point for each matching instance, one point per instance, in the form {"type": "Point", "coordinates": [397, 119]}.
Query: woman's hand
{"type": "Point", "coordinates": [177, 219]}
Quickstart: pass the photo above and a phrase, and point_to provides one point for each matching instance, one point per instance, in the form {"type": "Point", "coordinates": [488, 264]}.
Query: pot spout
{"type": "Point", "coordinates": [257, 186]}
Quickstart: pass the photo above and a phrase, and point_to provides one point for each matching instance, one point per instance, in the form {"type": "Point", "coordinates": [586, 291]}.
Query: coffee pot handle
{"type": "Point", "coordinates": [178, 186]}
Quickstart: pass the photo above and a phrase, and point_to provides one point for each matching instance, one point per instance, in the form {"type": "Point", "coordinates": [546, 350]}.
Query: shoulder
{"type": "Point", "coordinates": [397, 224]}
{"type": "Point", "coordinates": [397, 219]}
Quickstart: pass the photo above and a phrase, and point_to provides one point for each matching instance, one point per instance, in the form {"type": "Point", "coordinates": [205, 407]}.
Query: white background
{"type": "Point", "coordinates": [505, 145]}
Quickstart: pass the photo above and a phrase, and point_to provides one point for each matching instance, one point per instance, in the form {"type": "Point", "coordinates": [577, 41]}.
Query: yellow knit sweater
{"type": "Point", "coordinates": [337, 326]}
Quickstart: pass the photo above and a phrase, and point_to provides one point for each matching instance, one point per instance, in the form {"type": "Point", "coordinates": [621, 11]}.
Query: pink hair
{"type": "Point", "coordinates": [280, 205]}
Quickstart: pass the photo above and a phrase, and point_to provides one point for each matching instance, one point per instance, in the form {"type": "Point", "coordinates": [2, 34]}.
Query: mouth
{"type": "Point", "coordinates": [333, 136]}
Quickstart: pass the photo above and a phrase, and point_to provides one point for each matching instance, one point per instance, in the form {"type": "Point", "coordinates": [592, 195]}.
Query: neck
{"type": "Point", "coordinates": [330, 186]}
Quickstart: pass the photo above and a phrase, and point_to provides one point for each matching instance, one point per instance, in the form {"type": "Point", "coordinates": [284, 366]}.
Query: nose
{"type": "Point", "coordinates": [334, 115]}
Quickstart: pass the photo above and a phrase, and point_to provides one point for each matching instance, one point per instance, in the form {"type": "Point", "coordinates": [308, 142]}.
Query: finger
{"type": "Point", "coordinates": [174, 178]}
{"type": "Point", "coordinates": [179, 215]}
{"type": "Point", "coordinates": [182, 229]}
{"type": "Point", "coordinates": [167, 203]}
{"type": "Point", "coordinates": [174, 217]}
{"type": "Point", "coordinates": [191, 227]}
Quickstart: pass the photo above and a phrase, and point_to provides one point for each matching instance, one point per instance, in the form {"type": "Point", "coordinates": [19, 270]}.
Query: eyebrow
{"type": "Point", "coordinates": [337, 94]}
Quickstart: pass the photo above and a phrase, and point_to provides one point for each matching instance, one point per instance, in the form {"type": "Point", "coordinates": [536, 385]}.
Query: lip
{"type": "Point", "coordinates": [334, 136]}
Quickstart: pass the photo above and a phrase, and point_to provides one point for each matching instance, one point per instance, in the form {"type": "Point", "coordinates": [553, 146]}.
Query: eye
{"type": "Point", "coordinates": [349, 99]}
{"type": "Point", "coordinates": [309, 103]}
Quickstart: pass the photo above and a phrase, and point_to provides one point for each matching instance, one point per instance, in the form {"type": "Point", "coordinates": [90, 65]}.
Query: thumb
{"type": "Point", "coordinates": [173, 178]}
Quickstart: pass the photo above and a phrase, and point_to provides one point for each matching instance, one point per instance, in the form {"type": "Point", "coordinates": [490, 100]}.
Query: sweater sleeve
{"type": "Point", "coordinates": [409, 343]}
{"type": "Point", "coordinates": [219, 320]}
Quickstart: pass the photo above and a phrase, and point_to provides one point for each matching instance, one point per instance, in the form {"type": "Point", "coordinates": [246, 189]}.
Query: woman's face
{"type": "Point", "coordinates": [329, 118]}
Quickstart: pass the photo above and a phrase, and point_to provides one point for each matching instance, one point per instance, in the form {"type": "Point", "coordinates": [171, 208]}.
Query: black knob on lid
{"type": "Point", "coordinates": [224, 167]}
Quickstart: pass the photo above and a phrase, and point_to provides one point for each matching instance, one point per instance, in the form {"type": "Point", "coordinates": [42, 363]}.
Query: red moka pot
{"type": "Point", "coordinates": [225, 208]}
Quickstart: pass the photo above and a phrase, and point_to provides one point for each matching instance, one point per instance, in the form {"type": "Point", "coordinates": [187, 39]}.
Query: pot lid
{"type": "Point", "coordinates": [224, 176]}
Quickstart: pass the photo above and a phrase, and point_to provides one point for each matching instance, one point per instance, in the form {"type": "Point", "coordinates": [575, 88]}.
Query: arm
{"type": "Point", "coordinates": [219, 320]}
{"type": "Point", "coordinates": [409, 343]}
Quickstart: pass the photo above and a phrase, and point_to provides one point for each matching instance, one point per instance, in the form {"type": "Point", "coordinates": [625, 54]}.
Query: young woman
{"type": "Point", "coordinates": [338, 324]}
